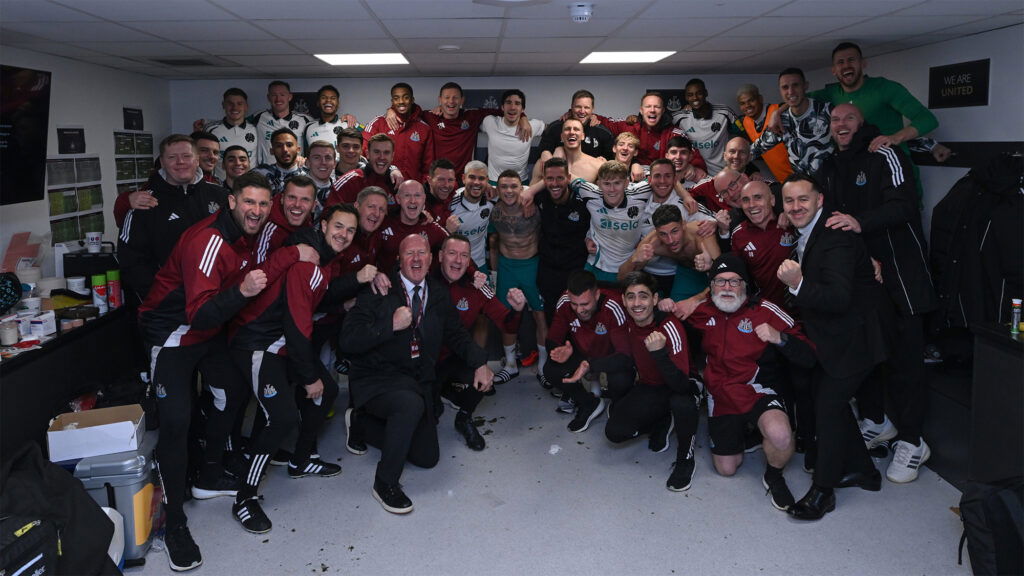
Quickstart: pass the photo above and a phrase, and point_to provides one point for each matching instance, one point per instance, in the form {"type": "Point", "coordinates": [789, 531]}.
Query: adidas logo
{"type": "Point", "coordinates": [750, 247]}
{"type": "Point", "coordinates": [710, 322]}
{"type": "Point", "coordinates": [173, 216]}
{"type": "Point", "coordinates": [691, 130]}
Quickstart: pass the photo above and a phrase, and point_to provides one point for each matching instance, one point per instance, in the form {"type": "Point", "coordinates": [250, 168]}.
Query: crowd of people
{"type": "Point", "coordinates": [768, 267]}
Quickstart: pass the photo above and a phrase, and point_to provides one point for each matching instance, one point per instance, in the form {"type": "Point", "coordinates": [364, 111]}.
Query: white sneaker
{"type": "Point", "coordinates": [874, 434]}
{"type": "Point", "coordinates": [906, 461]}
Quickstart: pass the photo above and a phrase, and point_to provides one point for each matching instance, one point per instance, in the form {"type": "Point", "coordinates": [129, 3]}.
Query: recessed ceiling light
{"type": "Point", "coordinates": [448, 48]}
{"type": "Point", "coordinates": [362, 59]}
{"type": "Point", "coordinates": [511, 3]}
{"type": "Point", "coordinates": [625, 57]}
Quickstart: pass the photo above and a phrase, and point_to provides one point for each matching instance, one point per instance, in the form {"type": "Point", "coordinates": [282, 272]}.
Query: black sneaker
{"type": "Point", "coordinates": [682, 475]}
{"type": "Point", "coordinates": [464, 425]}
{"type": "Point", "coordinates": [251, 515]}
{"type": "Point", "coordinates": [391, 497]}
{"type": "Point", "coordinates": [354, 438]}
{"type": "Point", "coordinates": [281, 458]}
{"type": "Point", "coordinates": [315, 467]}
{"type": "Point", "coordinates": [223, 486]}
{"type": "Point", "coordinates": [182, 552]}
{"type": "Point", "coordinates": [778, 492]}
{"type": "Point", "coordinates": [587, 411]}
{"type": "Point", "coordinates": [661, 433]}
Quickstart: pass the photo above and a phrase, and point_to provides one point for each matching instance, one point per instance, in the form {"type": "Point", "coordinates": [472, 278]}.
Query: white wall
{"type": "Point", "coordinates": [92, 97]}
{"type": "Point", "coordinates": [1001, 121]}
{"type": "Point", "coordinates": [547, 97]}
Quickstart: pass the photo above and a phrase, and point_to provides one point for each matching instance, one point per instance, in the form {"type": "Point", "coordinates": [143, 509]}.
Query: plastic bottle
{"type": "Point", "coordinates": [1015, 317]}
{"type": "Point", "coordinates": [115, 299]}
{"type": "Point", "coordinates": [99, 292]}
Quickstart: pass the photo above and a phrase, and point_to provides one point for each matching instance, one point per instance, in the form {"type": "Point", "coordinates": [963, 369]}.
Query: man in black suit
{"type": "Point", "coordinates": [835, 294]}
{"type": "Point", "coordinates": [394, 341]}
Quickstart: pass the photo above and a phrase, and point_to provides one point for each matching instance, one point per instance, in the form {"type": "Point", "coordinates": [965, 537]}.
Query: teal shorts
{"type": "Point", "coordinates": [522, 274]}
{"type": "Point", "coordinates": [603, 278]}
{"type": "Point", "coordinates": [687, 283]}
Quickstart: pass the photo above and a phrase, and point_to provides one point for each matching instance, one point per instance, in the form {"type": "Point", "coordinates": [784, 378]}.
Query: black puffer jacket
{"type": "Point", "coordinates": [977, 244]}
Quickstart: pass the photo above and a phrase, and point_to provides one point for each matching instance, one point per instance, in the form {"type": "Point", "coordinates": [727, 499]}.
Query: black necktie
{"type": "Point", "coordinates": [417, 306]}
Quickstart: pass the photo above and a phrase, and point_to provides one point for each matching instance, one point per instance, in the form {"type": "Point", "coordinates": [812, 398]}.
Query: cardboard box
{"type": "Point", "coordinates": [77, 435]}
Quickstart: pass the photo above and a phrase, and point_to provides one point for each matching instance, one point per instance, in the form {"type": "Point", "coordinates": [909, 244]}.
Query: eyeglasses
{"type": "Point", "coordinates": [732, 282]}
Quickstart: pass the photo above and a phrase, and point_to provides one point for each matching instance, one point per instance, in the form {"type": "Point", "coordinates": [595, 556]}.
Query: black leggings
{"type": "Point", "coordinates": [171, 371]}
{"type": "Point", "coordinates": [643, 406]}
{"type": "Point", "coordinates": [284, 408]}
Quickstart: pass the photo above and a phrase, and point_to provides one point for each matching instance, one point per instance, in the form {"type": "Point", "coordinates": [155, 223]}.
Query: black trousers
{"type": "Point", "coordinates": [903, 376]}
{"type": "Point", "coordinates": [644, 406]}
{"type": "Point", "coordinates": [455, 382]}
{"type": "Point", "coordinates": [840, 446]}
{"type": "Point", "coordinates": [289, 414]}
{"type": "Point", "coordinates": [399, 424]}
{"type": "Point", "coordinates": [172, 371]}
{"type": "Point", "coordinates": [551, 283]}
{"type": "Point", "coordinates": [618, 382]}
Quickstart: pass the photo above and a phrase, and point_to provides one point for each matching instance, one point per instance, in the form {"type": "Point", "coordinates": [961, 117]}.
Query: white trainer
{"type": "Point", "coordinates": [907, 459]}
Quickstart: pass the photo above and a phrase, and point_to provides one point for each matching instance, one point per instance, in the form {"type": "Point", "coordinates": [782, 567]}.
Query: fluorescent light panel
{"type": "Point", "coordinates": [625, 57]}
{"type": "Point", "coordinates": [362, 59]}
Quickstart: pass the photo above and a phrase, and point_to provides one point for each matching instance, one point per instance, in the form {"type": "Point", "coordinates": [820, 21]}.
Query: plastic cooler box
{"type": "Point", "coordinates": [125, 482]}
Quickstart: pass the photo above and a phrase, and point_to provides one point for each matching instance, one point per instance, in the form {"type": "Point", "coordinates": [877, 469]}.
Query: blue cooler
{"type": "Point", "coordinates": [125, 481]}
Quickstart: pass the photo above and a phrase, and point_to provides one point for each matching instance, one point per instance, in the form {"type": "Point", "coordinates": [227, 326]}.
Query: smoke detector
{"type": "Point", "coordinates": [581, 11]}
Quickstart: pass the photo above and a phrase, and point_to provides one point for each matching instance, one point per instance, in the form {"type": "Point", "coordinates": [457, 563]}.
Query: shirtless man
{"type": "Point", "coordinates": [681, 241]}
{"type": "Point", "coordinates": [514, 245]}
{"type": "Point", "coordinates": [581, 164]}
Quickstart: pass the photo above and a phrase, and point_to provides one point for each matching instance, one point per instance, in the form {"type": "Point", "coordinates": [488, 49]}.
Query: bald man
{"type": "Point", "coordinates": [394, 341]}
{"type": "Point", "coordinates": [873, 194]}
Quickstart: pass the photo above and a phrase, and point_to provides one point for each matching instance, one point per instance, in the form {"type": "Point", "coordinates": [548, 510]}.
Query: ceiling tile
{"type": "Point", "coordinates": [346, 45]}
{"type": "Point", "coordinates": [649, 43]}
{"type": "Point", "coordinates": [680, 27]}
{"type": "Point", "coordinates": [862, 8]}
{"type": "Point", "coordinates": [451, 28]}
{"type": "Point", "coordinates": [222, 47]}
{"type": "Point", "coordinates": [10, 37]}
{"type": "Point", "coordinates": [275, 9]}
{"type": "Point", "coordinates": [957, 7]}
{"type": "Point", "coordinates": [604, 12]}
{"type": "Point", "coordinates": [464, 44]}
{"type": "Point", "coordinates": [39, 11]}
{"type": "Point", "coordinates": [142, 49]}
{"type": "Point", "coordinates": [901, 25]}
{"type": "Point", "coordinates": [731, 42]}
{"type": "Point", "coordinates": [985, 24]}
{"type": "Point", "coordinates": [321, 29]}
{"type": "Point", "coordinates": [558, 28]}
{"type": "Point", "coordinates": [550, 45]}
{"type": "Point", "coordinates": [776, 26]}
{"type": "Point", "coordinates": [134, 10]}
{"type": "Point", "coordinates": [78, 31]}
{"type": "Point", "coordinates": [732, 8]}
{"type": "Point", "coordinates": [434, 58]}
{"type": "Point", "coordinates": [271, 60]}
{"type": "Point", "coordinates": [568, 57]}
{"type": "Point", "coordinates": [420, 10]}
{"type": "Point", "coordinates": [182, 30]}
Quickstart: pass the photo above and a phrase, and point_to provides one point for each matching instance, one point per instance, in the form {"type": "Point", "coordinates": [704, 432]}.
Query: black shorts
{"type": "Point", "coordinates": [728, 432]}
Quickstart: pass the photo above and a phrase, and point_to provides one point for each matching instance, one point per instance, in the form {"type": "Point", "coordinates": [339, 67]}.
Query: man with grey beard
{"type": "Point", "coordinates": [747, 342]}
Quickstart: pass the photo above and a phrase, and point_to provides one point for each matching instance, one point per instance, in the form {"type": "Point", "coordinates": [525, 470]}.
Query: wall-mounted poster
{"type": "Point", "coordinates": [70, 140]}
{"type": "Point", "coordinates": [959, 85]}
{"type": "Point", "coordinates": [24, 121]}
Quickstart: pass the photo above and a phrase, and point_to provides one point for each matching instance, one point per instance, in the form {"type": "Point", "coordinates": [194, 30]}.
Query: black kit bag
{"type": "Point", "coordinates": [993, 517]}
{"type": "Point", "coordinates": [28, 545]}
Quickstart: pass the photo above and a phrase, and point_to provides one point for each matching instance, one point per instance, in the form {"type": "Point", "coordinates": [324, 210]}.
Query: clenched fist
{"type": "Point", "coordinates": [253, 283]}
{"type": "Point", "coordinates": [516, 299]}
{"type": "Point", "coordinates": [401, 319]}
{"type": "Point", "coordinates": [655, 341]}
{"type": "Point", "coordinates": [366, 274]}
{"type": "Point", "coordinates": [790, 273]}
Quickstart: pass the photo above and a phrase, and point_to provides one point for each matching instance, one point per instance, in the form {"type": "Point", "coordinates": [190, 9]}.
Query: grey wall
{"type": "Point", "coordinates": [1003, 118]}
